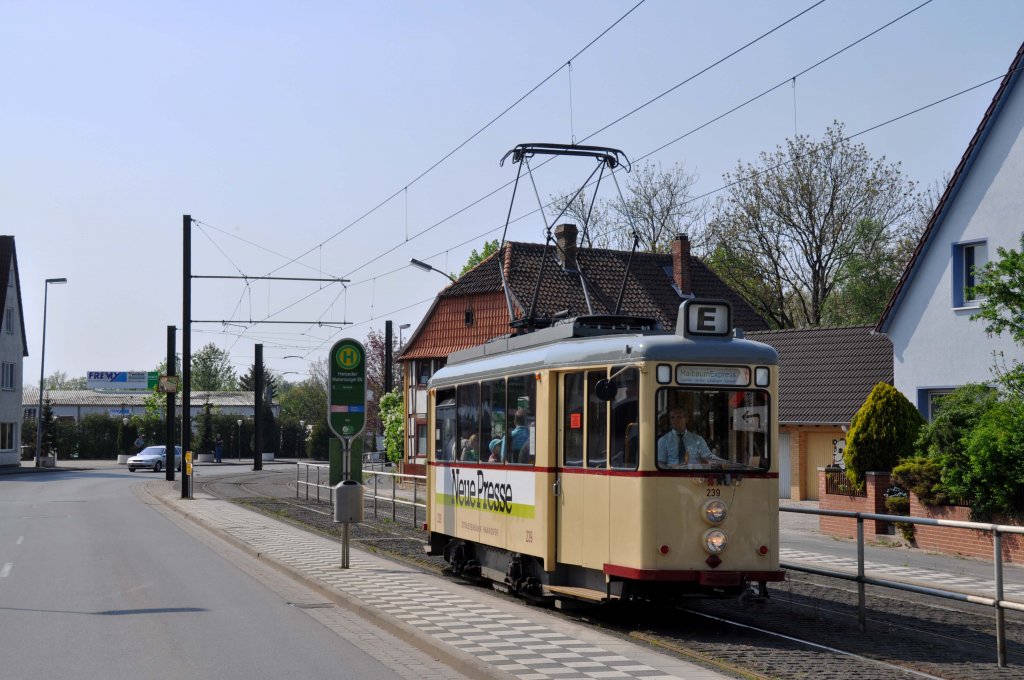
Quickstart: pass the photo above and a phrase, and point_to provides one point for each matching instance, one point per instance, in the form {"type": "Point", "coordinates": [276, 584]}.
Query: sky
{"type": "Point", "coordinates": [306, 140]}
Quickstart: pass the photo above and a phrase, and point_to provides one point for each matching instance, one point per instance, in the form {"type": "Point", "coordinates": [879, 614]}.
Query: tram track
{"type": "Point", "coordinates": [807, 629]}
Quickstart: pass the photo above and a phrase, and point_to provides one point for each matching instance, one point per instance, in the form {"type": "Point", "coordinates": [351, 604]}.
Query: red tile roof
{"type": "Point", "coordinates": [649, 292]}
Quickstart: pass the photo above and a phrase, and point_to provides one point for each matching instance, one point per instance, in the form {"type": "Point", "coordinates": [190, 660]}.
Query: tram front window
{"type": "Point", "coordinates": [712, 429]}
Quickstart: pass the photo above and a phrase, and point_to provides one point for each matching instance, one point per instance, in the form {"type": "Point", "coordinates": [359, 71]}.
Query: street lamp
{"type": "Point", "coordinates": [400, 329]}
{"type": "Point", "coordinates": [239, 439]}
{"type": "Point", "coordinates": [427, 268]}
{"type": "Point", "coordinates": [42, 375]}
{"type": "Point", "coordinates": [302, 438]}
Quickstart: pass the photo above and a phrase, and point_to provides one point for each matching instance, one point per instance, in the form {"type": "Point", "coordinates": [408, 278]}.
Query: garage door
{"type": "Point", "coordinates": [819, 455]}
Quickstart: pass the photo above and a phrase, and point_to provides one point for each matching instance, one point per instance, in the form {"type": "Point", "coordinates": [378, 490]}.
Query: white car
{"type": "Point", "coordinates": [153, 458]}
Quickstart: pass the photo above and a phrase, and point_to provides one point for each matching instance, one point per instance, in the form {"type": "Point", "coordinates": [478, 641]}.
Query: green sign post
{"type": "Point", "coordinates": [346, 399]}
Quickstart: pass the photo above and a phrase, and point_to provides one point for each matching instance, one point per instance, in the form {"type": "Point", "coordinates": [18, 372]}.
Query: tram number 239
{"type": "Point", "coordinates": [714, 491]}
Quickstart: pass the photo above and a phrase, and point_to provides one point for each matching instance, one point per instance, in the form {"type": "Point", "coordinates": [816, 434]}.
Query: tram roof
{"type": "Point", "coordinates": [597, 340]}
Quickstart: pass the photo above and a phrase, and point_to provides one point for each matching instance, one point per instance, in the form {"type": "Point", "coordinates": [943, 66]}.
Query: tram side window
{"type": "Point", "coordinates": [467, 446]}
{"type": "Point", "coordinates": [444, 424]}
{"type": "Point", "coordinates": [522, 404]}
{"type": "Point", "coordinates": [572, 420]}
{"type": "Point", "coordinates": [597, 422]}
{"type": "Point", "coordinates": [625, 420]}
{"type": "Point", "coordinates": [492, 420]}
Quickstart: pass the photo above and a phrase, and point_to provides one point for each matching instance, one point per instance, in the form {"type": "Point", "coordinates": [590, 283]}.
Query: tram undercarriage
{"type": "Point", "coordinates": [524, 576]}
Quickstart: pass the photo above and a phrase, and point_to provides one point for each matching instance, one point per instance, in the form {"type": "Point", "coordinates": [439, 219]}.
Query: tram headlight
{"type": "Point", "coordinates": [715, 541]}
{"type": "Point", "coordinates": [714, 511]}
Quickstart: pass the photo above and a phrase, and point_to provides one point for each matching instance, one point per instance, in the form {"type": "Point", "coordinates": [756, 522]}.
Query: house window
{"type": "Point", "coordinates": [6, 376]}
{"type": "Point", "coordinates": [967, 259]}
{"type": "Point", "coordinates": [30, 414]}
{"type": "Point", "coordinates": [423, 371]}
{"type": "Point", "coordinates": [6, 436]}
{"type": "Point", "coordinates": [929, 401]}
{"type": "Point", "coordinates": [421, 440]}
{"type": "Point", "coordinates": [9, 320]}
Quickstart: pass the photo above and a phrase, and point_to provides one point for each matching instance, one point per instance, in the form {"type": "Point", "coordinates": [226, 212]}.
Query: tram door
{"type": "Point", "coordinates": [570, 482]}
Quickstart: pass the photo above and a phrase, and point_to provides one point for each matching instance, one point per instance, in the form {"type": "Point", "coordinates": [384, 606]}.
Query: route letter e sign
{"type": "Point", "coordinates": [346, 396]}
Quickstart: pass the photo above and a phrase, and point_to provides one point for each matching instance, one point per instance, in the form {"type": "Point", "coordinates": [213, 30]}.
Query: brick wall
{"type": "Point", "coordinates": [967, 542]}
{"type": "Point", "coordinates": [876, 484]}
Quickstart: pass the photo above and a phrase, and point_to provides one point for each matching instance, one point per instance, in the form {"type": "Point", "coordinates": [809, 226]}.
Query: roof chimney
{"type": "Point", "coordinates": [681, 265]}
{"type": "Point", "coordinates": [565, 237]}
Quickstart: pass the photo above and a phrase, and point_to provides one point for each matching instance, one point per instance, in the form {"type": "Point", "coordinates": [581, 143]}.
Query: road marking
{"type": "Point", "coordinates": [20, 539]}
{"type": "Point", "coordinates": [6, 570]}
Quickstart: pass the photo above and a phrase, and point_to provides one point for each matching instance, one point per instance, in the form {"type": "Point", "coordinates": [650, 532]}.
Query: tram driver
{"type": "Point", "coordinates": [680, 447]}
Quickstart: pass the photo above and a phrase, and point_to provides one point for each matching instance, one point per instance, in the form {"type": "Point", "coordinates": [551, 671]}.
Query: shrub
{"type": "Point", "coordinates": [996, 466]}
{"type": "Point", "coordinates": [881, 434]}
{"type": "Point", "coordinates": [923, 476]}
{"type": "Point", "coordinates": [943, 439]}
{"type": "Point", "coordinates": [897, 502]}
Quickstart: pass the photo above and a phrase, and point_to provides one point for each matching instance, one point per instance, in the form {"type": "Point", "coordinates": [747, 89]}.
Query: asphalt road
{"type": "Point", "coordinates": [96, 583]}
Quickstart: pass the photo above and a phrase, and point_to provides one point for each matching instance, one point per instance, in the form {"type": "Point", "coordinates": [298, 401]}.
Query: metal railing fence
{"type": "Point", "coordinates": [862, 579]}
{"type": "Point", "coordinates": [394, 500]}
{"type": "Point", "coordinates": [323, 482]}
{"type": "Point", "coordinates": [319, 488]}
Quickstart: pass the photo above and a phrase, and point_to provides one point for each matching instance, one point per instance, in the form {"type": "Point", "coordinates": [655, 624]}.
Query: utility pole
{"type": "Point", "coordinates": [169, 445]}
{"type": "Point", "coordinates": [186, 347]}
{"type": "Point", "coordinates": [387, 358]}
{"type": "Point", "coordinates": [257, 455]}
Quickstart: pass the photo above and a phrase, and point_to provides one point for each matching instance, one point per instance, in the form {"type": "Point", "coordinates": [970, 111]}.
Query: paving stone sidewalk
{"type": "Point", "coordinates": [477, 633]}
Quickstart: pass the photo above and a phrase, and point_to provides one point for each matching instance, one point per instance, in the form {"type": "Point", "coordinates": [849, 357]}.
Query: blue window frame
{"type": "Point", "coordinates": [967, 258]}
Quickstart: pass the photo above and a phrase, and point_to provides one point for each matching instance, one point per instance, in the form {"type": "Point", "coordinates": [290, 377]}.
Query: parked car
{"type": "Point", "coordinates": [153, 458]}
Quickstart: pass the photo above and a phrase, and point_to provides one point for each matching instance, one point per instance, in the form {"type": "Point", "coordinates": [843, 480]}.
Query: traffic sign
{"type": "Point", "coordinates": [346, 398]}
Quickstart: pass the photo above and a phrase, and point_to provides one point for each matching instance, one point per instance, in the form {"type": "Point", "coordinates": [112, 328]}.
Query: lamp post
{"type": "Point", "coordinates": [42, 375]}
{"type": "Point", "coordinates": [427, 268]}
{"type": "Point", "coordinates": [239, 439]}
{"type": "Point", "coordinates": [401, 328]}
{"type": "Point", "coordinates": [302, 438]}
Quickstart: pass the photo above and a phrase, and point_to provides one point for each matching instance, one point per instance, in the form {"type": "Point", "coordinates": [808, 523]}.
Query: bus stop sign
{"type": "Point", "coordinates": [346, 398]}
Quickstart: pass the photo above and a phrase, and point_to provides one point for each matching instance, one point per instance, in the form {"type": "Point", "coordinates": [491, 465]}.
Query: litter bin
{"type": "Point", "coordinates": [348, 501]}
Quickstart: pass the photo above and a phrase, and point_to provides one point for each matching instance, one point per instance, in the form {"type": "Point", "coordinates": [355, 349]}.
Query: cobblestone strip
{"type": "Point", "coordinates": [533, 646]}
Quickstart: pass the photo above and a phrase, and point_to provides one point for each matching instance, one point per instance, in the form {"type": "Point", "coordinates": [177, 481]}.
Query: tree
{"type": "Point", "coordinates": [392, 413]}
{"type": "Point", "coordinates": [1000, 286]}
{"type": "Point", "coordinates": [869, 276]}
{"type": "Point", "coordinates": [785, 235]}
{"type": "Point", "coordinates": [59, 380]}
{"type": "Point", "coordinates": [475, 258]}
{"type": "Point", "coordinates": [247, 383]}
{"type": "Point", "coordinates": [658, 206]}
{"type": "Point", "coordinates": [882, 433]}
{"type": "Point", "coordinates": [304, 401]}
{"type": "Point", "coordinates": [655, 206]}
{"type": "Point", "coordinates": [212, 370]}
{"type": "Point", "coordinates": [597, 227]}
{"type": "Point", "coordinates": [375, 356]}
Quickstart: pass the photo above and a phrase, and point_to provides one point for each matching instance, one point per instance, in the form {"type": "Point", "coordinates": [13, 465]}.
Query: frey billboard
{"type": "Point", "coordinates": [121, 380]}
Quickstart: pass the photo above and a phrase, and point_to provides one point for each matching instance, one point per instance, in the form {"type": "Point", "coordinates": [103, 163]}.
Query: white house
{"type": "Point", "coordinates": [13, 350]}
{"type": "Point", "coordinates": [936, 345]}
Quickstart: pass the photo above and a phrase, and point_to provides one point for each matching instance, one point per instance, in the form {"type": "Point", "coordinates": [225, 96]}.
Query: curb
{"type": "Point", "coordinates": [457, 660]}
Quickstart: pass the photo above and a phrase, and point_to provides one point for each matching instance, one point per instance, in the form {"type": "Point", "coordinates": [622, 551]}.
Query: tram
{"type": "Point", "coordinates": [604, 458]}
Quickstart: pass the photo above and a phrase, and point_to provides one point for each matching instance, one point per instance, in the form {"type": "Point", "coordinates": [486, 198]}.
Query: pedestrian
{"type": "Point", "coordinates": [218, 447]}
{"type": "Point", "coordinates": [140, 442]}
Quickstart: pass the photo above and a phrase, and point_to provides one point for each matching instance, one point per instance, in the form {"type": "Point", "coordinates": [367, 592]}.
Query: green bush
{"type": "Point", "coordinates": [923, 476]}
{"type": "Point", "coordinates": [944, 439]}
{"type": "Point", "coordinates": [996, 466]}
{"type": "Point", "coordinates": [881, 434]}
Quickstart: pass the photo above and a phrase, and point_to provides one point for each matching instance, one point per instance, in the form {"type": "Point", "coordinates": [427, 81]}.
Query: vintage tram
{"type": "Point", "coordinates": [606, 459]}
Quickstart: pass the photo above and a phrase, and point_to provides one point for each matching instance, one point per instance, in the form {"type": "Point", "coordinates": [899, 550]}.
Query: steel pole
{"type": "Point", "coordinates": [42, 375]}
